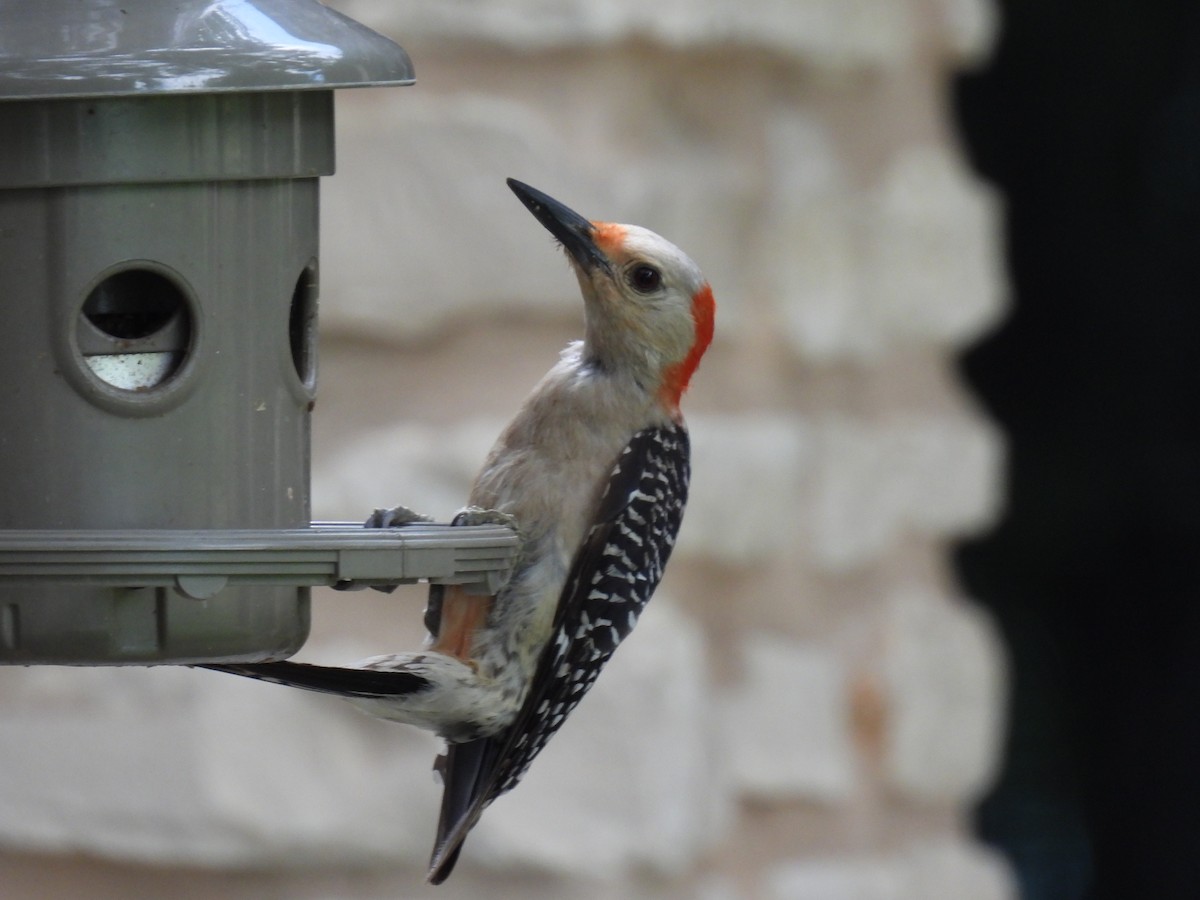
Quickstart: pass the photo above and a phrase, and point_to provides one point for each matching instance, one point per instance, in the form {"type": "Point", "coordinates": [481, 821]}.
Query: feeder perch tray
{"type": "Point", "coordinates": [200, 563]}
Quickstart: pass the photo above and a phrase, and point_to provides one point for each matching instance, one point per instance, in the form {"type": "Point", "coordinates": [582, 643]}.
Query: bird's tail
{"type": "Point", "coordinates": [466, 769]}
{"type": "Point", "coordinates": [328, 679]}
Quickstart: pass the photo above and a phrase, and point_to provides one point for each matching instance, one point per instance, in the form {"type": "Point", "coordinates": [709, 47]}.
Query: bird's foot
{"type": "Point", "coordinates": [475, 515]}
{"type": "Point", "coordinates": [396, 517]}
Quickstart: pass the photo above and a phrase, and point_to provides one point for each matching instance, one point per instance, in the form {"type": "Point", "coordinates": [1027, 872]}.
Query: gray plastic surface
{"type": "Point", "coordinates": [345, 555]}
{"type": "Point", "coordinates": [159, 167]}
{"type": "Point", "coordinates": [222, 442]}
{"type": "Point", "coordinates": [76, 48]}
{"type": "Point", "coordinates": [160, 138]}
{"type": "Point", "coordinates": [166, 595]}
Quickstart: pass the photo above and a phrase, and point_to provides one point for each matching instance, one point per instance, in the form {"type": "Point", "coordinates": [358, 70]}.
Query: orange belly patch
{"type": "Point", "coordinates": [463, 615]}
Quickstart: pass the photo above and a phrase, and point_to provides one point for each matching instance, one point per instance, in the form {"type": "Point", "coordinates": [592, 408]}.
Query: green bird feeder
{"type": "Point", "coordinates": [159, 184]}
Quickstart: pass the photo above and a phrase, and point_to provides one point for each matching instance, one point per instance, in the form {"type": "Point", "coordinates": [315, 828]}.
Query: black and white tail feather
{"type": "Point", "coordinates": [366, 684]}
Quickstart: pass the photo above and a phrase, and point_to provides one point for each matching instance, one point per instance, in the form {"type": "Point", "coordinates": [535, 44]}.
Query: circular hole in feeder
{"type": "Point", "coordinates": [302, 326]}
{"type": "Point", "coordinates": [135, 329]}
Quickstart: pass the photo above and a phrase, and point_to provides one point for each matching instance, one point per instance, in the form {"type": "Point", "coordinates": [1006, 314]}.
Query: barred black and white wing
{"type": "Point", "coordinates": [616, 572]}
{"type": "Point", "coordinates": [612, 578]}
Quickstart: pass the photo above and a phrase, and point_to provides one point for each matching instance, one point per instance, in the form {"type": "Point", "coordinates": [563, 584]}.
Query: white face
{"type": "Point", "coordinates": [648, 308]}
{"type": "Point", "coordinates": [646, 293]}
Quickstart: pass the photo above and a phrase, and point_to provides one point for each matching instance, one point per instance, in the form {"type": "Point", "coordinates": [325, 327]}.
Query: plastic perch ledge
{"type": "Point", "coordinates": [200, 563]}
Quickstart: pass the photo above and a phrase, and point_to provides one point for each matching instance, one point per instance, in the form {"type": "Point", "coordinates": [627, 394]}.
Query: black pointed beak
{"type": "Point", "coordinates": [573, 231]}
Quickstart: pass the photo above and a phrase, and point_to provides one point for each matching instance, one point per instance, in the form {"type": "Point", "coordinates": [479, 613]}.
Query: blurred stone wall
{"type": "Point", "coordinates": [809, 707]}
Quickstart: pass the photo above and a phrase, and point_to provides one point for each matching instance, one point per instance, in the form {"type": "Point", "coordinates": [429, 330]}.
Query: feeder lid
{"type": "Point", "coordinates": [103, 48]}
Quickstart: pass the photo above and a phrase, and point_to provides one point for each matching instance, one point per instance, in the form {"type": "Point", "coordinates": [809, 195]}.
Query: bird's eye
{"type": "Point", "coordinates": [645, 279]}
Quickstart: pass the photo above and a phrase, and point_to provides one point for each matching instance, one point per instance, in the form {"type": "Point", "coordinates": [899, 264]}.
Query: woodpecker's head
{"type": "Point", "coordinates": [649, 310]}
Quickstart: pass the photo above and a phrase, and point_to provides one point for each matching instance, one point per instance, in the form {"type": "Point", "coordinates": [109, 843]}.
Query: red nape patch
{"type": "Point", "coordinates": [677, 377]}
{"type": "Point", "coordinates": [609, 237]}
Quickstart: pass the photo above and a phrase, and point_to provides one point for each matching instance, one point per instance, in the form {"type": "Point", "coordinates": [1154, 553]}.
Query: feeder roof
{"type": "Point", "coordinates": [100, 48]}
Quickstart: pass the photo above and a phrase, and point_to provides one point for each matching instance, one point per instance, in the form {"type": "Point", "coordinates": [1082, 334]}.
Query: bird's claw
{"type": "Point", "coordinates": [475, 515]}
{"type": "Point", "coordinates": [396, 517]}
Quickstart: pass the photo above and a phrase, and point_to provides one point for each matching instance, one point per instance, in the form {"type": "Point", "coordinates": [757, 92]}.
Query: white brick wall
{"type": "Point", "coordinates": [943, 678]}
{"type": "Point", "coordinates": [789, 732]}
{"type": "Point", "coordinates": [804, 711]}
{"type": "Point", "coordinates": [935, 871]}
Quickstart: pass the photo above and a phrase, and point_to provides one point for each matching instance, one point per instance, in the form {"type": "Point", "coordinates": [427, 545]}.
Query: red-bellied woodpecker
{"type": "Point", "coordinates": [594, 472]}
